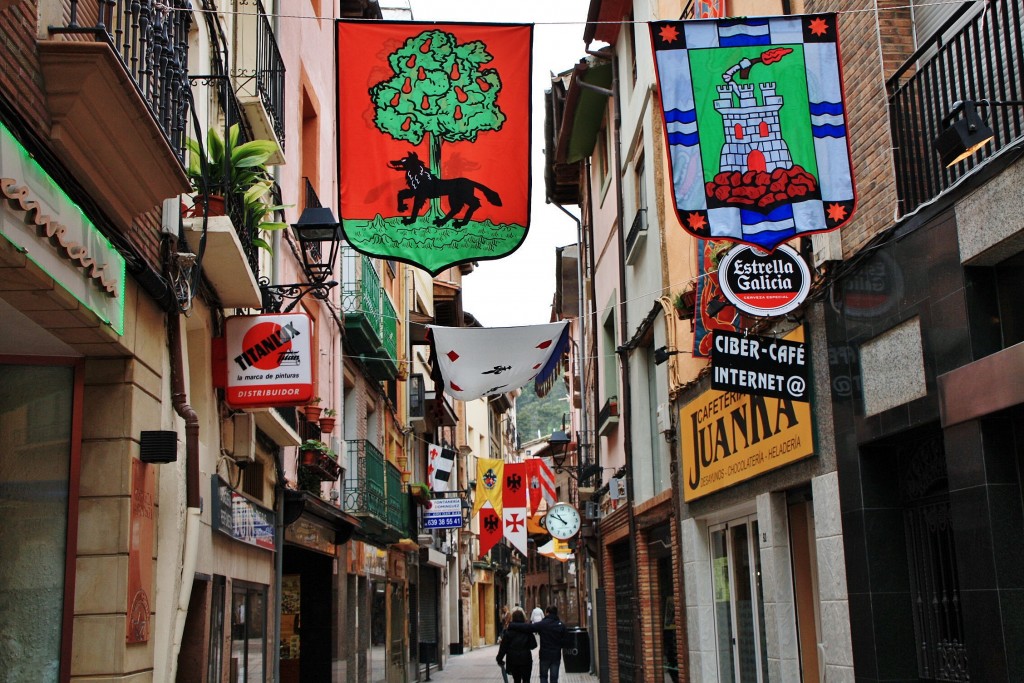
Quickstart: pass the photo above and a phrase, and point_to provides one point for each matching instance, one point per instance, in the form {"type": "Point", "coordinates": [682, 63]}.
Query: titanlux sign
{"type": "Point", "coordinates": [269, 360]}
{"type": "Point", "coordinates": [764, 284]}
{"type": "Point", "coordinates": [759, 365]}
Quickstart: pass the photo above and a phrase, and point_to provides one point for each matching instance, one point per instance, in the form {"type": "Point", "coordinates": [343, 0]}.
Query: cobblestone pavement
{"type": "Point", "coordinates": [479, 666]}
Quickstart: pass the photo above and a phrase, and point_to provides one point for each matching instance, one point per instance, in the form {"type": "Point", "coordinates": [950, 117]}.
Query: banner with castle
{"type": "Point", "coordinates": [756, 126]}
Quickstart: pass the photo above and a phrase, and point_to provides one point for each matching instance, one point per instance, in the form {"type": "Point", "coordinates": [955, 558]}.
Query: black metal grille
{"type": "Point", "coordinates": [151, 40]}
{"type": "Point", "coordinates": [270, 73]}
{"type": "Point", "coordinates": [622, 565]}
{"type": "Point", "coordinates": [982, 60]}
{"type": "Point", "coordinates": [935, 584]}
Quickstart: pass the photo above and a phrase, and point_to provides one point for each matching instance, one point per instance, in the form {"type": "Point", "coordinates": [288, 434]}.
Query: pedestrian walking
{"type": "Point", "coordinates": [515, 655]}
{"type": "Point", "coordinates": [536, 615]}
{"type": "Point", "coordinates": [552, 637]}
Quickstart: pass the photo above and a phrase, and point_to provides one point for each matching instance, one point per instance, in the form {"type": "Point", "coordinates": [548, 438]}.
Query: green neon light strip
{"type": "Point", "coordinates": [118, 265]}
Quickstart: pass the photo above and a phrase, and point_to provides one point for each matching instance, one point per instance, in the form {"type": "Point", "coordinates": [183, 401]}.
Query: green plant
{"type": "Point", "coordinates": [319, 447]}
{"type": "Point", "coordinates": [684, 300]}
{"type": "Point", "coordinates": [229, 168]}
{"type": "Point", "coordinates": [240, 171]}
{"type": "Point", "coordinates": [314, 401]}
{"type": "Point", "coordinates": [330, 412]}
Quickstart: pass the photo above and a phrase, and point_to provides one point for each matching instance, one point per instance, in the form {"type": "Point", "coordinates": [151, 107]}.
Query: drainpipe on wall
{"type": "Point", "coordinates": [179, 399]}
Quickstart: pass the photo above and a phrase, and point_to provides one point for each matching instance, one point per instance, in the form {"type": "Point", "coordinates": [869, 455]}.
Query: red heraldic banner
{"type": "Point", "coordinates": [490, 529]}
{"type": "Point", "coordinates": [434, 134]}
{"type": "Point", "coordinates": [513, 504]}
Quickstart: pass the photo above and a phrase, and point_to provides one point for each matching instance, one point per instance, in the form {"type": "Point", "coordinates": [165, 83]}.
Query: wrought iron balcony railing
{"type": "Point", "coordinates": [980, 59]}
{"type": "Point", "coordinates": [374, 492]}
{"type": "Point", "coordinates": [270, 72]}
{"type": "Point", "coordinates": [151, 40]}
{"type": "Point", "coordinates": [371, 323]}
{"type": "Point", "coordinates": [636, 230]}
{"type": "Point", "coordinates": [365, 487]}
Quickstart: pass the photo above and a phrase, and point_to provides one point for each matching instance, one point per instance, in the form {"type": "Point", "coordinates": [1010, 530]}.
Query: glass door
{"type": "Point", "coordinates": [738, 602]}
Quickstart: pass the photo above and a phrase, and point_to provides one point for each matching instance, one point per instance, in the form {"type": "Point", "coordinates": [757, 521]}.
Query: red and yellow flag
{"type": "Point", "coordinates": [489, 474]}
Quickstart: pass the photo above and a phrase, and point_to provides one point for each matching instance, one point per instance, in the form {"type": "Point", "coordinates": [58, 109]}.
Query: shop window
{"type": "Point", "coordinates": [36, 443]}
{"type": "Point", "coordinates": [248, 658]}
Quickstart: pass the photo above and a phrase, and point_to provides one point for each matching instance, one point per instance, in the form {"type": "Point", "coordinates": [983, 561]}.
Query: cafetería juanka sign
{"type": "Point", "coordinates": [730, 437]}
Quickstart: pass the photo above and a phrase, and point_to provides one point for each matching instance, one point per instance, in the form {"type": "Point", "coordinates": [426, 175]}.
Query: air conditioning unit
{"type": "Point", "coordinates": [592, 510]}
{"type": "Point", "coordinates": [243, 437]}
{"type": "Point", "coordinates": [825, 247]}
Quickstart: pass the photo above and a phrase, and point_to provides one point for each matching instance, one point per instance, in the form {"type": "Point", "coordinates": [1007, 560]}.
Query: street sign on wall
{"type": "Point", "coordinates": [269, 360]}
{"type": "Point", "coordinates": [443, 513]}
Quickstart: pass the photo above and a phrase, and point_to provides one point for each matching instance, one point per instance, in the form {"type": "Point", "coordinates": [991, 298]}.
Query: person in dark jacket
{"type": "Point", "coordinates": [515, 655]}
{"type": "Point", "coordinates": [552, 636]}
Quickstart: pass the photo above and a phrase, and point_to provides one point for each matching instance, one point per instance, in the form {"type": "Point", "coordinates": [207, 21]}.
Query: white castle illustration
{"type": "Point", "coordinates": [753, 134]}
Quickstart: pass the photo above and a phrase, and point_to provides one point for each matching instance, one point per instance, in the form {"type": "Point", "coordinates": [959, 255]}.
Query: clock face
{"type": "Point", "coordinates": [562, 521]}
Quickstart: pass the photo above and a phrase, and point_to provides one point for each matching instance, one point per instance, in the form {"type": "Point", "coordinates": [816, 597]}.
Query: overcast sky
{"type": "Point", "coordinates": [518, 289]}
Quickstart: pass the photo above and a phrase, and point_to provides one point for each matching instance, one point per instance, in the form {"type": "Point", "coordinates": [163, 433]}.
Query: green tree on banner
{"type": "Point", "coordinates": [440, 91]}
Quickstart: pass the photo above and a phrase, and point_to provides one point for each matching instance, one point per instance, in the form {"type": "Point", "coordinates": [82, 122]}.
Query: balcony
{"type": "Point", "coordinates": [977, 60]}
{"type": "Point", "coordinates": [371, 323]}
{"type": "Point", "coordinates": [259, 77]}
{"type": "Point", "coordinates": [636, 236]}
{"type": "Point", "coordinates": [375, 494]}
{"type": "Point", "coordinates": [119, 66]}
{"type": "Point", "coordinates": [608, 417]}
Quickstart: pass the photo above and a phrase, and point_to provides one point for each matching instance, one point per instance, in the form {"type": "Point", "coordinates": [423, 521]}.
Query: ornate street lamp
{"type": "Point", "coordinates": [316, 225]}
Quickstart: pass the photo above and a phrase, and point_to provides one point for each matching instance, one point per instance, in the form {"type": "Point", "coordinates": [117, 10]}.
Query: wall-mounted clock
{"type": "Point", "coordinates": [562, 521]}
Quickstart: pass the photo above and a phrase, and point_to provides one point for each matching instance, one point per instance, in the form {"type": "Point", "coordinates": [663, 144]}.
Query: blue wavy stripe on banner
{"type": "Point", "coordinates": [769, 239]}
{"type": "Point", "coordinates": [684, 139]}
{"type": "Point", "coordinates": [819, 108]}
{"type": "Point", "coordinates": [743, 22]}
{"type": "Point", "coordinates": [779, 213]}
{"type": "Point", "coordinates": [677, 116]}
{"type": "Point", "coordinates": [828, 131]}
{"type": "Point", "coordinates": [744, 41]}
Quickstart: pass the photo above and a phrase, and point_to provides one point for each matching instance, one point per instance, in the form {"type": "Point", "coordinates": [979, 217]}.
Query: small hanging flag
{"type": "Point", "coordinates": [489, 476]}
{"type": "Point", "coordinates": [514, 505]}
{"type": "Point", "coordinates": [440, 467]}
{"type": "Point", "coordinates": [756, 126]}
{"type": "Point", "coordinates": [434, 133]}
{"type": "Point", "coordinates": [490, 529]}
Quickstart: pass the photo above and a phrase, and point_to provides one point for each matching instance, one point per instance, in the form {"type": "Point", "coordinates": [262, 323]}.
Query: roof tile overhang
{"type": "Point", "coordinates": [604, 20]}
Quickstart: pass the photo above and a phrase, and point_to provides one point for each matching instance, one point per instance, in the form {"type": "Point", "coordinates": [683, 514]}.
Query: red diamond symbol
{"type": "Point", "coordinates": [452, 356]}
{"type": "Point", "coordinates": [456, 387]}
{"type": "Point", "coordinates": [545, 344]}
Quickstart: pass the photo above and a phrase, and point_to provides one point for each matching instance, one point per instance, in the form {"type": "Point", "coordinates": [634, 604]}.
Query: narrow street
{"type": "Point", "coordinates": [479, 666]}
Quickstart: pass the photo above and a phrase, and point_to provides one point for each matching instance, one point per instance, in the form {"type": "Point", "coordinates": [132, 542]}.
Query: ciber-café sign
{"type": "Point", "coordinates": [759, 365]}
{"type": "Point", "coordinates": [269, 360]}
{"type": "Point", "coordinates": [762, 283]}
{"type": "Point", "coordinates": [729, 437]}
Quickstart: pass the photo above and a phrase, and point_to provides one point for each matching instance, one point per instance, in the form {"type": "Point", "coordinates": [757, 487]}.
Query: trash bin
{"type": "Point", "coordinates": [576, 651]}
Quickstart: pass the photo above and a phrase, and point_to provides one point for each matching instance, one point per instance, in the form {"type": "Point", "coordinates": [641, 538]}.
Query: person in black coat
{"type": "Point", "coordinates": [552, 637]}
{"type": "Point", "coordinates": [515, 651]}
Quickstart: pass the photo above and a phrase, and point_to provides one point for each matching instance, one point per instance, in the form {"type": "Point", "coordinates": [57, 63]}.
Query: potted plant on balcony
{"type": "Point", "coordinates": [318, 458]}
{"type": "Point", "coordinates": [312, 449]}
{"type": "Point", "coordinates": [684, 302]}
{"type": "Point", "coordinates": [312, 409]}
{"type": "Point", "coordinates": [226, 168]}
{"type": "Point", "coordinates": [420, 492]}
{"type": "Point", "coordinates": [327, 420]}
